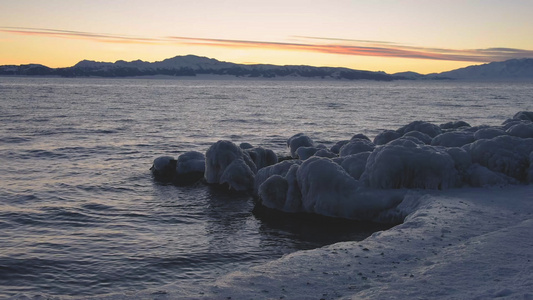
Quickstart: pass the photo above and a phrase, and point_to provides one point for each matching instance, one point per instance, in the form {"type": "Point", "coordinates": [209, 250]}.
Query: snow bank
{"type": "Point", "coordinates": [458, 244]}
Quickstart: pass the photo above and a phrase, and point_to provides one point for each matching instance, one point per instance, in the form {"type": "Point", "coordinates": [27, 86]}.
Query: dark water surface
{"type": "Point", "coordinates": [81, 215]}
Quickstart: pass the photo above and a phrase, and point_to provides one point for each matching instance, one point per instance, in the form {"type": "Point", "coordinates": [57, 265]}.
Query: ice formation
{"type": "Point", "coordinates": [409, 165]}
{"type": "Point", "coordinates": [356, 146]}
{"type": "Point", "coordinates": [229, 164]}
{"type": "Point", "coordinates": [164, 167]}
{"type": "Point", "coordinates": [446, 235]}
{"type": "Point", "coordinates": [360, 179]}
{"type": "Point", "coordinates": [187, 169]}
{"type": "Point", "coordinates": [190, 167]}
{"type": "Point", "coordinates": [260, 156]}
{"type": "Point", "coordinates": [453, 139]}
{"type": "Point", "coordinates": [297, 141]}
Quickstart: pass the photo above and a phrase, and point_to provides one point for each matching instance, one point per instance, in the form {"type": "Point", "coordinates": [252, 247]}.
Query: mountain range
{"type": "Point", "coordinates": [191, 65]}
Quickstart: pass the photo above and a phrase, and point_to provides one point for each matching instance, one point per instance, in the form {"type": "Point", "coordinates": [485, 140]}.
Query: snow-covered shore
{"type": "Point", "coordinates": [468, 243]}
{"type": "Point", "coordinates": [458, 244]}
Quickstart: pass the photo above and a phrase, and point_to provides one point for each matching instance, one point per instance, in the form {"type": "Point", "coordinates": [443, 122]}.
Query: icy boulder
{"type": "Point", "coordinates": [453, 139]}
{"type": "Point", "coordinates": [282, 192]}
{"type": "Point", "coordinates": [297, 141]}
{"type": "Point", "coordinates": [261, 157]}
{"type": "Point", "coordinates": [190, 167]}
{"type": "Point", "coordinates": [479, 176]}
{"type": "Point", "coordinates": [454, 125]}
{"type": "Point", "coordinates": [325, 153]}
{"type": "Point", "coordinates": [360, 136]}
{"type": "Point", "coordinates": [238, 176]}
{"type": "Point", "coordinates": [281, 168]}
{"type": "Point", "coordinates": [337, 147]}
{"type": "Point", "coordinates": [524, 115]}
{"type": "Point", "coordinates": [356, 146]}
{"type": "Point", "coordinates": [222, 155]}
{"type": "Point", "coordinates": [386, 136]}
{"type": "Point", "coordinates": [304, 153]}
{"type": "Point", "coordinates": [430, 129]}
{"type": "Point", "coordinates": [164, 168]}
{"type": "Point", "coordinates": [505, 154]}
{"type": "Point", "coordinates": [408, 165]}
{"type": "Point", "coordinates": [327, 189]}
{"type": "Point", "coordinates": [523, 130]}
{"type": "Point", "coordinates": [355, 164]}
{"type": "Point", "coordinates": [245, 146]}
{"type": "Point", "coordinates": [426, 139]}
{"type": "Point", "coordinates": [488, 133]}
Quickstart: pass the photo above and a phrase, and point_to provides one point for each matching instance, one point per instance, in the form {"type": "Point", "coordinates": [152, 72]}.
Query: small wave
{"type": "Point", "coordinates": [96, 206]}
{"type": "Point", "coordinates": [13, 140]}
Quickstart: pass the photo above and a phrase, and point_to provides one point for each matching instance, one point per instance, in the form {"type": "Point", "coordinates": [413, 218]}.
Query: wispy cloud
{"type": "Point", "coordinates": [329, 45]}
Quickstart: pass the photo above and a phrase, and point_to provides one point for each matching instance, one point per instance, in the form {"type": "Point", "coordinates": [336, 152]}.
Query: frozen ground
{"type": "Point", "coordinates": [468, 243]}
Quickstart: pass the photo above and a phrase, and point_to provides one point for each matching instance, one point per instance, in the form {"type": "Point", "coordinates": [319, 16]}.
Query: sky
{"type": "Point", "coordinates": [424, 36]}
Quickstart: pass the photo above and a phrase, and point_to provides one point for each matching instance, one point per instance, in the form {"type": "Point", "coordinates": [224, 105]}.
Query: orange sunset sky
{"type": "Point", "coordinates": [393, 36]}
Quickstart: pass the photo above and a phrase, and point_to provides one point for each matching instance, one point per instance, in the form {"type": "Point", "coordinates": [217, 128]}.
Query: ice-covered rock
{"type": "Point", "coordinates": [425, 127]}
{"type": "Point", "coordinates": [488, 133]}
{"type": "Point", "coordinates": [408, 165]}
{"type": "Point", "coordinates": [355, 164]}
{"type": "Point", "coordinates": [454, 125]}
{"type": "Point", "coordinates": [360, 136]}
{"type": "Point", "coordinates": [461, 158]}
{"type": "Point", "coordinates": [512, 122]}
{"type": "Point", "coordinates": [523, 130]}
{"type": "Point", "coordinates": [282, 192]}
{"type": "Point", "coordinates": [245, 146]}
{"type": "Point", "coordinates": [220, 156]}
{"type": "Point", "coordinates": [505, 154]}
{"type": "Point", "coordinates": [325, 153]}
{"type": "Point", "coordinates": [304, 153]}
{"type": "Point", "coordinates": [524, 115]}
{"type": "Point", "coordinates": [190, 167]}
{"type": "Point", "coordinates": [281, 168]}
{"type": "Point", "coordinates": [327, 189]}
{"type": "Point", "coordinates": [238, 176]}
{"type": "Point", "coordinates": [337, 147]}
{"type": "Point", "coordinates": [356, 146]}
{"type": "Point", "coordinates": [453, 139]}
{"type": "Point", "coordinates": [273, 192]}
{"type": "Point", "coordinates": [386, 136]}
{"type": "Point", "coordinates": [164, 167]}
{"type": "Point", "coordinates": [297, 141]}
{"type": "Point", "coordinates": [426, 139]}
{"type": "Point", "coordinates": [479, 176]}
{"type": "Point", "coordinates": [261, 157]}
{"type": "Point", "coordinates": [404, 139]}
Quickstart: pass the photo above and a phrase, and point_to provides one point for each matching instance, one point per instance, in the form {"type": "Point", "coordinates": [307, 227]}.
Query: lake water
{"type": "Point", "coordinates": [80, 214]}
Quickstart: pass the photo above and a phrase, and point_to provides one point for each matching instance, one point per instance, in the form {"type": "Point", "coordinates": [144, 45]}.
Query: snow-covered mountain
{"type": "Point", "coordinates": [509, 69]}
{"type": "Point", "coordinates": [191, 65]}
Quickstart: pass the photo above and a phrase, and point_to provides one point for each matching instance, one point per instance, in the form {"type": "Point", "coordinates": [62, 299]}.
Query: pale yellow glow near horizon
{"type": "Point", "coordinates": [390, 36]}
